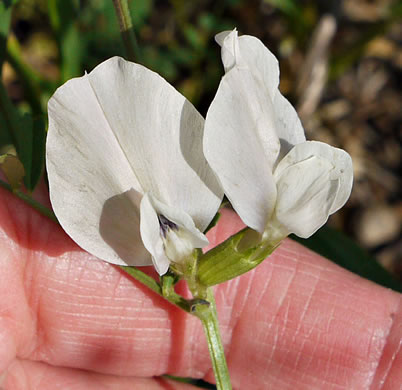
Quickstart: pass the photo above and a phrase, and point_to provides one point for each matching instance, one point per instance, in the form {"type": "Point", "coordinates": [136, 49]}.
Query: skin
{"type": "Point", "coordinates": [70, 321]}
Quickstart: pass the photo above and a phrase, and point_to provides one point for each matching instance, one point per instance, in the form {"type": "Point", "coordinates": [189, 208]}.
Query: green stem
{"type": "Point", "coordinates": [209, 319]}
{"type": "Point", "coordinates": [126, 29]}
{"type": "Point", "coordinates": [31, 201]}
{"type": "Point", "coordinates": [151, 283]}
{"type": "Point", "coordinates": [32, 81]}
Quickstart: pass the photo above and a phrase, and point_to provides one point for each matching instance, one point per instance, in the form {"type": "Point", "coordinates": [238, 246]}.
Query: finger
{"type": "Point", "coordinates": [388, 374]}
{"type": "Point", "coordinates": [311, 324]}
{"type": "Point", "coordinates": [296, 319]}
{"type": "Point", "coordinates": [26, 375]}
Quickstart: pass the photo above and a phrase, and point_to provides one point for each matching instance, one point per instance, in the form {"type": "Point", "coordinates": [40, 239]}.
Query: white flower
{"type": "Point", "coordinates": [255, 143]}
{"type": "Point", "coordinates": [128, 179]}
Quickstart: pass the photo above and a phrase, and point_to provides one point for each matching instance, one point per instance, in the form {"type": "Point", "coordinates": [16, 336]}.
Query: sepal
{"type": "Point", "coordinates": [237, 255]}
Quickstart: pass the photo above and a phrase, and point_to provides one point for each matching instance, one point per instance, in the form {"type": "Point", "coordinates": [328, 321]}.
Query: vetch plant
{"type": "Point", "coordinates": [136, 176]}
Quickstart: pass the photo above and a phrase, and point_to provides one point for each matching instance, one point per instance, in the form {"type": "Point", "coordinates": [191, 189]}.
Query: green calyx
{"type": "Point", "coordinates": [237, 255]}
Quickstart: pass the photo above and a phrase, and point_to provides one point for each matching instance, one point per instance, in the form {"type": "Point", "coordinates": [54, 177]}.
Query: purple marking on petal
{"type": "Point", "coordinates": [165, 225]}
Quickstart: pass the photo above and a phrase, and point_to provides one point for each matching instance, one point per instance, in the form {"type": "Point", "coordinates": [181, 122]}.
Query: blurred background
{"type": "Point", "coordinates": [341, 66]}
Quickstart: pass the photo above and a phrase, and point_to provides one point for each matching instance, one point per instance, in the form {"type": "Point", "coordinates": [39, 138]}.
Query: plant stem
{"type": "Point", "coordinates": [152, 284]}
{"type": "Point", "coordinates": [126, 30]}
{"type": "Point", "coordinates": [32, 81]}
{"type": "Point", "coordinates": [209, 319]}
{"type": "Point", "coordinates": [31, 201]}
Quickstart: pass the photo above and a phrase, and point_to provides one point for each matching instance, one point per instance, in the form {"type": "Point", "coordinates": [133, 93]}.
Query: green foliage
{"type": "Point", "coordinates": [289, 7]}
{"type": "Point", "coordinates": [26, 135]}
{"type": "Point", "coordinates": [38, 151]}
{"type": "Point", "coordinates": [63, 17]}
{"type": "Point", "coordinates": [6, 7]}
{"type": "Point", "coordinates": [140, 11]}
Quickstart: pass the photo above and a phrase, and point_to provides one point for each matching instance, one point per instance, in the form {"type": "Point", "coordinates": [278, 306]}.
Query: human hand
{"type": "Point", "coordinates": [297, 321]}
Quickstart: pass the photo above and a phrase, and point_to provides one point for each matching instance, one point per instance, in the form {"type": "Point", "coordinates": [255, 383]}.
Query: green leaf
{"type": "Point", "coordinates": [62, 13]}
{"type": "Point", "coordinates": [5, 20]}
{"type": "Point", "coordinates": [5, 138]}
{"type": "Point", "coordinates": [27, 136]}
{"type": "Point", "coordinates": [72, 48]}
{"type": "Point", "coordinates": [38, 151]}
{"type": "Point", "coordinates": [288, 7]}
{"type": "Point", "coordinates": [194, 37]}
{"type": "Point", "coordinates": [140, 10]}
{"type": "Point", "coordinates": [64, 16]}
{"type": "Point", "coordinates": [339, 248]}
{"type": "Point", "coordinates": [9, 118]}
{"type": "Point", "coordinates": [23, 143]}
{"type": "Point", "coordinates": [17, 130]}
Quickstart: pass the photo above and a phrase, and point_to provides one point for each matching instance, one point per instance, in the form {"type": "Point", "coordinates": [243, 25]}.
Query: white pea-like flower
{"type": "Point", "coordinates": [128, 178]}
{"type": "Point", "coordinates": [278, 182]}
